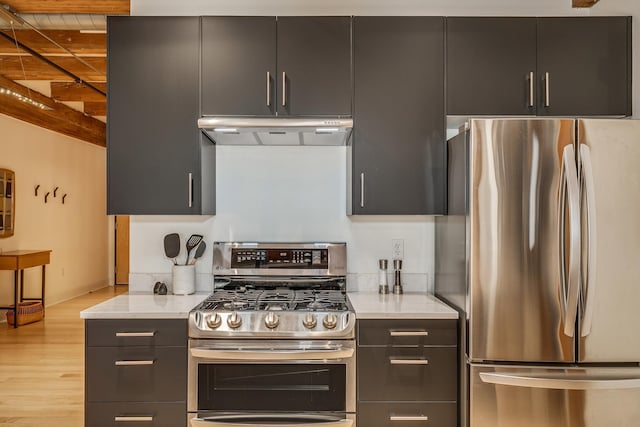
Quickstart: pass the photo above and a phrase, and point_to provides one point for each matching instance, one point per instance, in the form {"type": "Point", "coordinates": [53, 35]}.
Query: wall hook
{"type": "Point", "coordinates": [46, 196]}
{"type": "Point", "coordinates": [55, 190]}
{"type": "Point", "coordinates": [37, 187]}
{"type": "Point", "coordinates": [64, 197]}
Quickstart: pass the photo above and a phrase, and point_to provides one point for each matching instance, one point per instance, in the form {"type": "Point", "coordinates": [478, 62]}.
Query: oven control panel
{"type": "Point", "coordinates": [279, 258]}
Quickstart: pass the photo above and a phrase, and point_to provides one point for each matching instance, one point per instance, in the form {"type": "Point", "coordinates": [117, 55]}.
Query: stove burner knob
{"type": "Point", "coordinates": [330, 321]}
{"type": "Point", "coordinates": [271, 320]}
{"type": "Point", "coordinates": [214, 320]}
{"type": "Point", "coordinates": [309, 321]}
{"type": "Point", "coordinates": [234, 321]}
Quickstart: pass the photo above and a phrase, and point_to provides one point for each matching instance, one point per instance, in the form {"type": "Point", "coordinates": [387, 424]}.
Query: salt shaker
{"type": "Point", "coordinates": [397, 284]}
{"type": "Point", "coordinates": [383, 287]}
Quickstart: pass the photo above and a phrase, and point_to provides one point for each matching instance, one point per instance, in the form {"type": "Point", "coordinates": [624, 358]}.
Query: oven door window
{"type": "Point", "coordinates": [277, 387]}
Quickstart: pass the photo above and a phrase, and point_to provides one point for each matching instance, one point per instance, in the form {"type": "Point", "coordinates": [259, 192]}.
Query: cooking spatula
{"type": "Point", "coordinates": [172, 246]}
{"type": "Point", "coordinates": [199, 251]}
{"type": "Point", "coordinates": [193, 241]}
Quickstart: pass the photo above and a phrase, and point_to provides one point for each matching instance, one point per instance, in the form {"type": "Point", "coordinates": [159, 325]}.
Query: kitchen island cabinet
{"type": "Point", "coordinates": [285, 66]}
{"type": "Point", "coordinates": [550, 66]}
{"type": "Point", "coordinates": [397, 156]}
{"type": "Point", "coordinates": [135, 371]}
{"type": "Point", "coordinates": [158, 162]}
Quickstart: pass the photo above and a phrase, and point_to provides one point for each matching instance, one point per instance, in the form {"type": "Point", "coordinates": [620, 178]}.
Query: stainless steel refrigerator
{"type": "Point", "coordinates": [540, 254]}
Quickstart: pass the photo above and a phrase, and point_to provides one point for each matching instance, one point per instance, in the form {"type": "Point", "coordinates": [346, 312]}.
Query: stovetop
{"type": "Point", "coordinates": [275, 300]}
{"type": "Point", "coordinates": [276, 290]}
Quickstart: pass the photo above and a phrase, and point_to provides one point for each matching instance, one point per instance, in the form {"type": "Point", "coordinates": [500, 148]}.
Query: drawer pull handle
{"type": "Point", "coordinates": [131, 419]}
{"type": "Point", "coordinates": [133, 362]}
{"type": "Point", "coordinates": [409, 361]}
{"type": "Point", "coordinates": [409, 333]}
{"type": "Point", "coordinates": [135, 334]}
{"type": "Point", "coordinates": [408, 418]}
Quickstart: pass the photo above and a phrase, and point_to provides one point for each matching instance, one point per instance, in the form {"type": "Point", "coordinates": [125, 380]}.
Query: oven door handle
{"type": "Point", "coordinates": [270, 420]}
{"type": "Point", "coordinates": [239, 354]}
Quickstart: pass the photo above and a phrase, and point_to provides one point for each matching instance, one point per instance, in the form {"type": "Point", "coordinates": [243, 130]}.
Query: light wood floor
{"type": "Point", "coordinates": [42, 366]}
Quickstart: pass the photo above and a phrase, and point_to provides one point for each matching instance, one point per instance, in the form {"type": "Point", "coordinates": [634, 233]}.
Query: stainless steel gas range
{"type": "Point", "coordinates": [274, 344]}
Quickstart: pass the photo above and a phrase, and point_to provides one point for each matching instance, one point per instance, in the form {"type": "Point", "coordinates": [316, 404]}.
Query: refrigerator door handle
{"type": "Point", "coordinates": [590, 285]}
{"type": "Point", "coordinates": [573, 196]}
{"type": "Point", "coordinates": [561, 383]}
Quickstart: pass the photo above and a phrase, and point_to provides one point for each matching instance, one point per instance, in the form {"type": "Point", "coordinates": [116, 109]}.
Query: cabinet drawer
{"type": "Point", "coordinates": [394, 414]}
{"type": "Point", "coordinates": [137, 374]}
{"type": "Point", "coordinates": [400, 332]}
{"type": "Point", "coordinates": [139, 332]}
{"type": "Point", "coordinates": [172, 414]}
{"type": "Point", "coordinates": [407, 374]}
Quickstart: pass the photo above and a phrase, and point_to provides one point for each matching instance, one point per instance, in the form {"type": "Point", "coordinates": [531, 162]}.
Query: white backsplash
{"type": "Point", "coordinates": [285, 194]}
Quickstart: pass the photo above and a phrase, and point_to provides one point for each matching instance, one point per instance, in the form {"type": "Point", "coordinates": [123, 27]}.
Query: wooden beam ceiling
{"type": "Point", "coordinates": [81, 44]}
{"type": "Point", "coordinates": [98, 7]}
{"type": "Point", "coordinates": [584, 3]}
{"type": "Point", "coordinates": [71, 91]}
{"type": "Point", "coordinates": [35, 69]}
{"type": "Point", "coordinates": [60, 118]}
{"type": "Point", "coordinates": [95, 108]}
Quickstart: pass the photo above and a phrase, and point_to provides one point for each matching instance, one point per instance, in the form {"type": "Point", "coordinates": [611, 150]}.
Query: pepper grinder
{"type": "Point", "coordinates": [397, 284]}
{"type": "Point", "coordinates": [383, 287]}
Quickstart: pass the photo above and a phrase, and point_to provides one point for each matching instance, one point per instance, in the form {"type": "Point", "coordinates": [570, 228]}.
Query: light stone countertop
{"type": "Point", "coordinates": [144, 306]}
{"type": "Point", "coordinates": [410, 305]}
{"type": "Point", "coordinates": [367, 305]}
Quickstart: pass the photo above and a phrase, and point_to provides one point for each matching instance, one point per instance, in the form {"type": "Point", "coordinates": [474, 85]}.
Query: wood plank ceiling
{"type": "Point", "coordinates": [37, 69]}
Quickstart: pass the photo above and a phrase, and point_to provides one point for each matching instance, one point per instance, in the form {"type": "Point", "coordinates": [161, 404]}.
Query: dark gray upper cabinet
{"type": "Point", "coordinates": [588, 61]}
{"type": "Point", "coordinates": [490, 62]}
{"type": "Point", "coordinates": [397, 163]}
{"type": "Point", "coordinates": [314, 59]}
{"type": "Point", "coordinates": [295, 66]}
{"type": "Point", "coordinates": [154, 148]}
{"type": "Point", "coordinates": [238, 65]}
{"type": "Point", "coordinates": [580, 66]}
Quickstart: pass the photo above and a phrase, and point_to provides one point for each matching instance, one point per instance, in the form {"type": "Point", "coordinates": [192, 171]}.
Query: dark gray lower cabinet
{"type": "Point", "coordinates": [397, 164]}
{"type": "Point", "coordinates": [135, 372]}
{"type": "Point", "coordinates": [165, 414]}
{"type": "Point", "coordinates": [407, 373]}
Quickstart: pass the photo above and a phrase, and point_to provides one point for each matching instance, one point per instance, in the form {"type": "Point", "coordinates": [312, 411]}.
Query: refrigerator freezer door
{"type": "Point", "coordinates": [525, 396]}
{"type": "Point", "coordinates": [610, 175]}
{"type": "Point", "coordinates": [518, 189]}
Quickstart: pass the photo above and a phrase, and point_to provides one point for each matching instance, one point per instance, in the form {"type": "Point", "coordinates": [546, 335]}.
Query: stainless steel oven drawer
{"type": "Point", "coordinates": [398, 414]}
{"type": "Point", "coordinates": [136, 332]}
{"type": "Point", "coordinates": [401, 332]}
{"type": "Point", "coordinates": [407, 373]}
{"type": "Point", "coordinates": [136, 374]}
{"type": "Point", "coordinates": [126, 414]}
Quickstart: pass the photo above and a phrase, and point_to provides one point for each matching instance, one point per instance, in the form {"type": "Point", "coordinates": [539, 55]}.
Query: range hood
{"type": "Point", "coordinates": [276, 131]}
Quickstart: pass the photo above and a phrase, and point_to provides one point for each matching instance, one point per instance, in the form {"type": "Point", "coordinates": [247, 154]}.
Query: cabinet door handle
{"type": "Point", "coordinates": [190, 189]}
{"type": "Point", "coordinates": [409, 333]}
{"type": "Point", "coordinates": [409, 361]}
{"type": "Point", "coordinates": [362, 190]}
{"type": "Point", "coordinates": [132, 419]}
{"type": "Point", "coordinates": [531, 89]}
{"type": "Point", "coordinates": [133, 362]}
{"type": "Point", "coordinates": [268, 89]}
{"type": "Point", "coordinates": [547, 102]}
{"type": "Point", "coordinates": [408, 418]}
{"type": "Point", "coordinates": [284, 89]}
{"type": "Point", "coordinates": [135, 334]}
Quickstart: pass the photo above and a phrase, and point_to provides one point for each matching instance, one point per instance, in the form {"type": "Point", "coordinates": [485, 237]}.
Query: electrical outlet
{"type": "Point", "coordinates": [397, 248]}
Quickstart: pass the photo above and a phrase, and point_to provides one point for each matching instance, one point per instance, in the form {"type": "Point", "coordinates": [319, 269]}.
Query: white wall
{"type": "Point", "coordinates": [285, 194]}
{"type": "Point", "coordinates": [273, 206]}
{"type": "Point", "coordinates": [76, 232]}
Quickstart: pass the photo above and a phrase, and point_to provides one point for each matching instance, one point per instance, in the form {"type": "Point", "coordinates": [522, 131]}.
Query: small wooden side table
{"type": "Point", "coordinates": [18, 261]}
